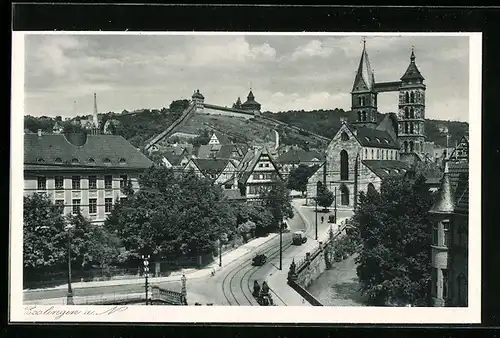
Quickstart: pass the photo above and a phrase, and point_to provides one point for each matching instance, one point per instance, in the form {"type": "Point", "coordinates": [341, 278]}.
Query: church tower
{"type": "Point", "coordinates": [411, 110]}
{"type": "Point", "coordinates": [363, 94]}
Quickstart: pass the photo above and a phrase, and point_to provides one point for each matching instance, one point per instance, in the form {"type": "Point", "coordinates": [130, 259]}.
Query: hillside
{"type": "Point", "coordinates": [142, 126]}
{"type": "Point", "coordinates": [327, 122]}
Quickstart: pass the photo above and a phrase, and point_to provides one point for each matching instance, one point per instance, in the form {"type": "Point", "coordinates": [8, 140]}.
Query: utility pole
{"type": "Point", "coordinates": [220, 252]}
{"type": "Point", "coordinates": [316, 221]}
{"type": "Point", "coordinates": [281, 245]}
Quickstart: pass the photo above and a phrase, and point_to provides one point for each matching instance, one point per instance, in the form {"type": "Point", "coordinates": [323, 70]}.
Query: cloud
{"type": "Point", "coordinates": [285, 72]}
{"type": "Point", "coordinates": [311, 49]}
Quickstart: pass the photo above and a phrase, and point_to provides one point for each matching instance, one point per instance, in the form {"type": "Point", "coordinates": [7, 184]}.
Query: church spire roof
{"type": "Point", "coordinates": [412, 71]}
{"type": "Point", "coordinates": [445, 202]}
{"type": "Point", "coordinates": [365, 78]}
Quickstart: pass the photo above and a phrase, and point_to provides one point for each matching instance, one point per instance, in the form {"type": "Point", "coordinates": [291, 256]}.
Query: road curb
{"type": "Point", "coordinates": [151, 280]}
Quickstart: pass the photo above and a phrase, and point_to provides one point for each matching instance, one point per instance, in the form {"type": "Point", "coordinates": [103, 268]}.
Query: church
{"type": "Point", "coordinates": [365, 149]}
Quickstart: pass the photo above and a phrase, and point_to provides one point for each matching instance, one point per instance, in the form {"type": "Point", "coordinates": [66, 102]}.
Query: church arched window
{"type": "Point", "coordinates": [406, 127]}
{"type": "Point", "coordinates": [411, 146]}
{"type": "Point", "coordinates": [344, 165]}
{"type": "Point", "coordinates": [364, 115]}
{"type": "Point", "coordinates": [366, 154]}
{"type": "Point", "coordinates": [344, 136]}
{"type": "Point", "coordinates": [412, 97]}
{"type": "Point", "coordinates": [386, 154]}
{"type": "Point", "coordinates": [412, 113]}
{"type": "Point", "coordinates": [359, 101]}
{"type": "Point", "coordinates": [405, 146]}
{"type": "Point", "coordinates": [344, 195]}
{"type": "Point", "coordinates": [411, 128]}
{"type": "Point", "coordinates": [359, 116]}
{"type": "Point", "coordinates": [371, 188]}
{"type": "Point", "coordinates": [407, 114]}
{"type": "Point", "coordinates": [407, 97]}
{"type": "Point", "coordinates": [378, 154]}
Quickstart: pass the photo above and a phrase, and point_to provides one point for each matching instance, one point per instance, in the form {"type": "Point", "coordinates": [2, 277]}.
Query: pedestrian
{"type": "Point", "coordinates": [322, 219]}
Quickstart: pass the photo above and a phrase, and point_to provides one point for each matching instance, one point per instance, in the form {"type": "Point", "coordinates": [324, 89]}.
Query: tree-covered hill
{"type": "Point", "coordinates": [139, 126]}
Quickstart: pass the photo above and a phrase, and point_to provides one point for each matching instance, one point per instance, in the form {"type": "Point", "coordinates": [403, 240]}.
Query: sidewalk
{"type": "Point", "coordinates": [278, 280]}
{"type": "Point", "coordinates": [227, 257]}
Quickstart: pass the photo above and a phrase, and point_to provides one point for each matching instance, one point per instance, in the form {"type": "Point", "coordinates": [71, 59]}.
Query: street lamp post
{"type": "Point", "coordinates": [335, 206]}
{"type": "Point", "coordinates": [220, 252]}
{"type": "Point", "coordinates": [69, 297]}
{"type": "Point", "coordinates": [146, 275]}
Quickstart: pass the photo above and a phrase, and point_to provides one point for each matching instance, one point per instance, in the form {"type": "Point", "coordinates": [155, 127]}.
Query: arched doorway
{"type": "Point", "coordinates": [344, 195]}
{"type": "Point", "coordinates": [344, 165]}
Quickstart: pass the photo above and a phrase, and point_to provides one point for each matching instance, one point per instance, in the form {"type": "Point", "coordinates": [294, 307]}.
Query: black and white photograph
{"type": "Point", "coordinates": [255, 173]}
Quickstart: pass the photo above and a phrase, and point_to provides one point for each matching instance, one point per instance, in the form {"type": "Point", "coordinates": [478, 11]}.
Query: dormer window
{"type": "Point", "coordinates": [386, 141]}
{"type": "Point", "coordinates": [122, 161]}
{"type": "Point", "coordinates": [367, 138]}
{"type": "Point", "coordinates": [58, 160]}
{"type": "Point", "coordinates": [91, 160]}
{"type": "Point", "coordinates": [75, 161]}
{"type": "Point", "coordinates": [40, 160]}
{"type": "Point", "coordinates": [378, 140]}
{"type": "Point", "coordinates": [386, 171]}
{"type": "Point", "coordinates": [106, 161]}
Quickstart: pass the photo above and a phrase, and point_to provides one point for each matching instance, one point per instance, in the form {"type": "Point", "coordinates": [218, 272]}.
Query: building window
{"type": "Point", "coordinates": [386, 154]}
{"type": "Point", "coordinates": [435, 234]}
{"type": "Point", "coordinates": [93, 206]}
{"type": "Point", "coordinates": [122, 161]}
{"type": "Point", "coordinates": [108, 204]}
{"type": "Point", "coordinates": [60, 205]}
{"type": "Point", "coordinates": [266, 165]}
{"type": "Point", "coordinates": [411, 128]}
{"type": "Point", "coordinates": [366, 153]}
{"type": "Point", "coordinates": [378, 154]}
{"type": "Point", "coordinates": [123, 181]}
{"type": "Point", "coordinates": [344, 165]}
{"type": "Point", "coordinates": [42, 183]}
{"type": "Point", "coordinates": [359, 116]}
{"type": "Point", "coordinates": [372, 154]}
{"type": "Point", "coordinates": [412, 97]}
{"type": "Point", "coordinates": [108, 182]}
{"type": "Point", "coordinates": [58, 160]}
{"type": "Point", "coordinates": [364, 115]}
{"type": "Point", "coordinates": [59, 182]}
{"type": "Point", "coordinates": [107, 161]}
{"type": "Point", "coordinates": [75, 182]}
{"type": "Point", "coordinates": [446, 233]}
{"type": "Point", "coordinates": [445, 283]}
{"type": "Point", "coordinates": [91, 160]}
{"type": "Point", "coordinates": [406, 127]}
{"type": "Point", "coordinates": [76, 206]}
{"type": "Point", "coordinates": [261, 165]}
{"type": "Point", "coordinates": [382, 154]}
{"type": "Point", "coordinates": [344, 136]}
{"type": "Point", "coordinates": [434, 282]}
{"type": "Point", "coordinates": [407, 97]}
{"type": "Point", "coordinates": [407, 114]}
{"type": "Point", "coordinates": [344, 195]}
{"type": "Point", "coordinates": [371, 188]}
{"type": "Point", "coordinates": [92, 182]}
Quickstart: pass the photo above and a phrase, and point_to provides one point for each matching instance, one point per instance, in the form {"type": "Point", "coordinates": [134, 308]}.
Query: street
{"type": "Point", "coordinates": [233, 282]}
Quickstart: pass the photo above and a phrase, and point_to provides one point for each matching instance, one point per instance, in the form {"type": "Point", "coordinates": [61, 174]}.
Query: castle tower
{"type": "Point", "coordinates": [198, 100]}
{"type": "Point", "coordinates": [411, 111]}
{"type": "Point", "coordinates": [363, 94]}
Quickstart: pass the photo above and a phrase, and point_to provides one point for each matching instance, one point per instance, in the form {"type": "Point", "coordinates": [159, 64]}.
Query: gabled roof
{"type": "Point", "coordinates": [389, 124]}
{"type": "Point", "coordinates": [249, 162]}
{"type": "Point", "coordinates": [173, 159]}
{"type": "Point", "coordinates": [78, 149]}
{"type": "Point", "coordinates": [365, 78]}
{"type": "Point", "coordinates": [216, 151]}
{"type": "Point", "coordinates": [298, 156]}
{"type": "Point", "coordinates": [412, 71]}
{"type": "Point", "coordinates": [386, 168]}
{"type": "Point", "coordinates": [461, 151]}
{"type": "Point", "coordinates": [223, 139]}
{"type": "Point", "coordinates": [210, 166]}
{"type": "Point", "coordinates": [370, 137]}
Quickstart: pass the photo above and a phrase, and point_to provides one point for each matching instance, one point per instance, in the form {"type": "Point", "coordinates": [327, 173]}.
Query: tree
{"type": "Point", "coordinates": [178, 106]}
{"type": "Point", "coordinates": [172, 214]}
{"type": "Point", "coordinates": [279, 203]}
{"type": "Point", "coordinates": [256, 213]}
{"type": "Point", "coordinates": [395, 233]}
{"type": "Point", "coordinates": [43, 233]}
{"type": "Point", "coordinates": [297, 180]}
{"type": "Point", "coordinates": [324, 196]}
{"type": "Point", "coordinates": [202, 139]}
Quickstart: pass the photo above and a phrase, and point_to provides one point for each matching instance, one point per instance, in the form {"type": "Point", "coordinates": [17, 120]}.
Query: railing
{"type": "Point", "coordinates": [167, 296]}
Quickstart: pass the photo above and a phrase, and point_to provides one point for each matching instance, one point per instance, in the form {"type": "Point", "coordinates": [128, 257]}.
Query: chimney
{"type": "Point", "coordinates": [39, 132]}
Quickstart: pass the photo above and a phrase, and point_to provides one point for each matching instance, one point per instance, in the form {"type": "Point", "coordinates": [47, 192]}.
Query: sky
{"type": "Point", "coordinates": [287, 72]}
